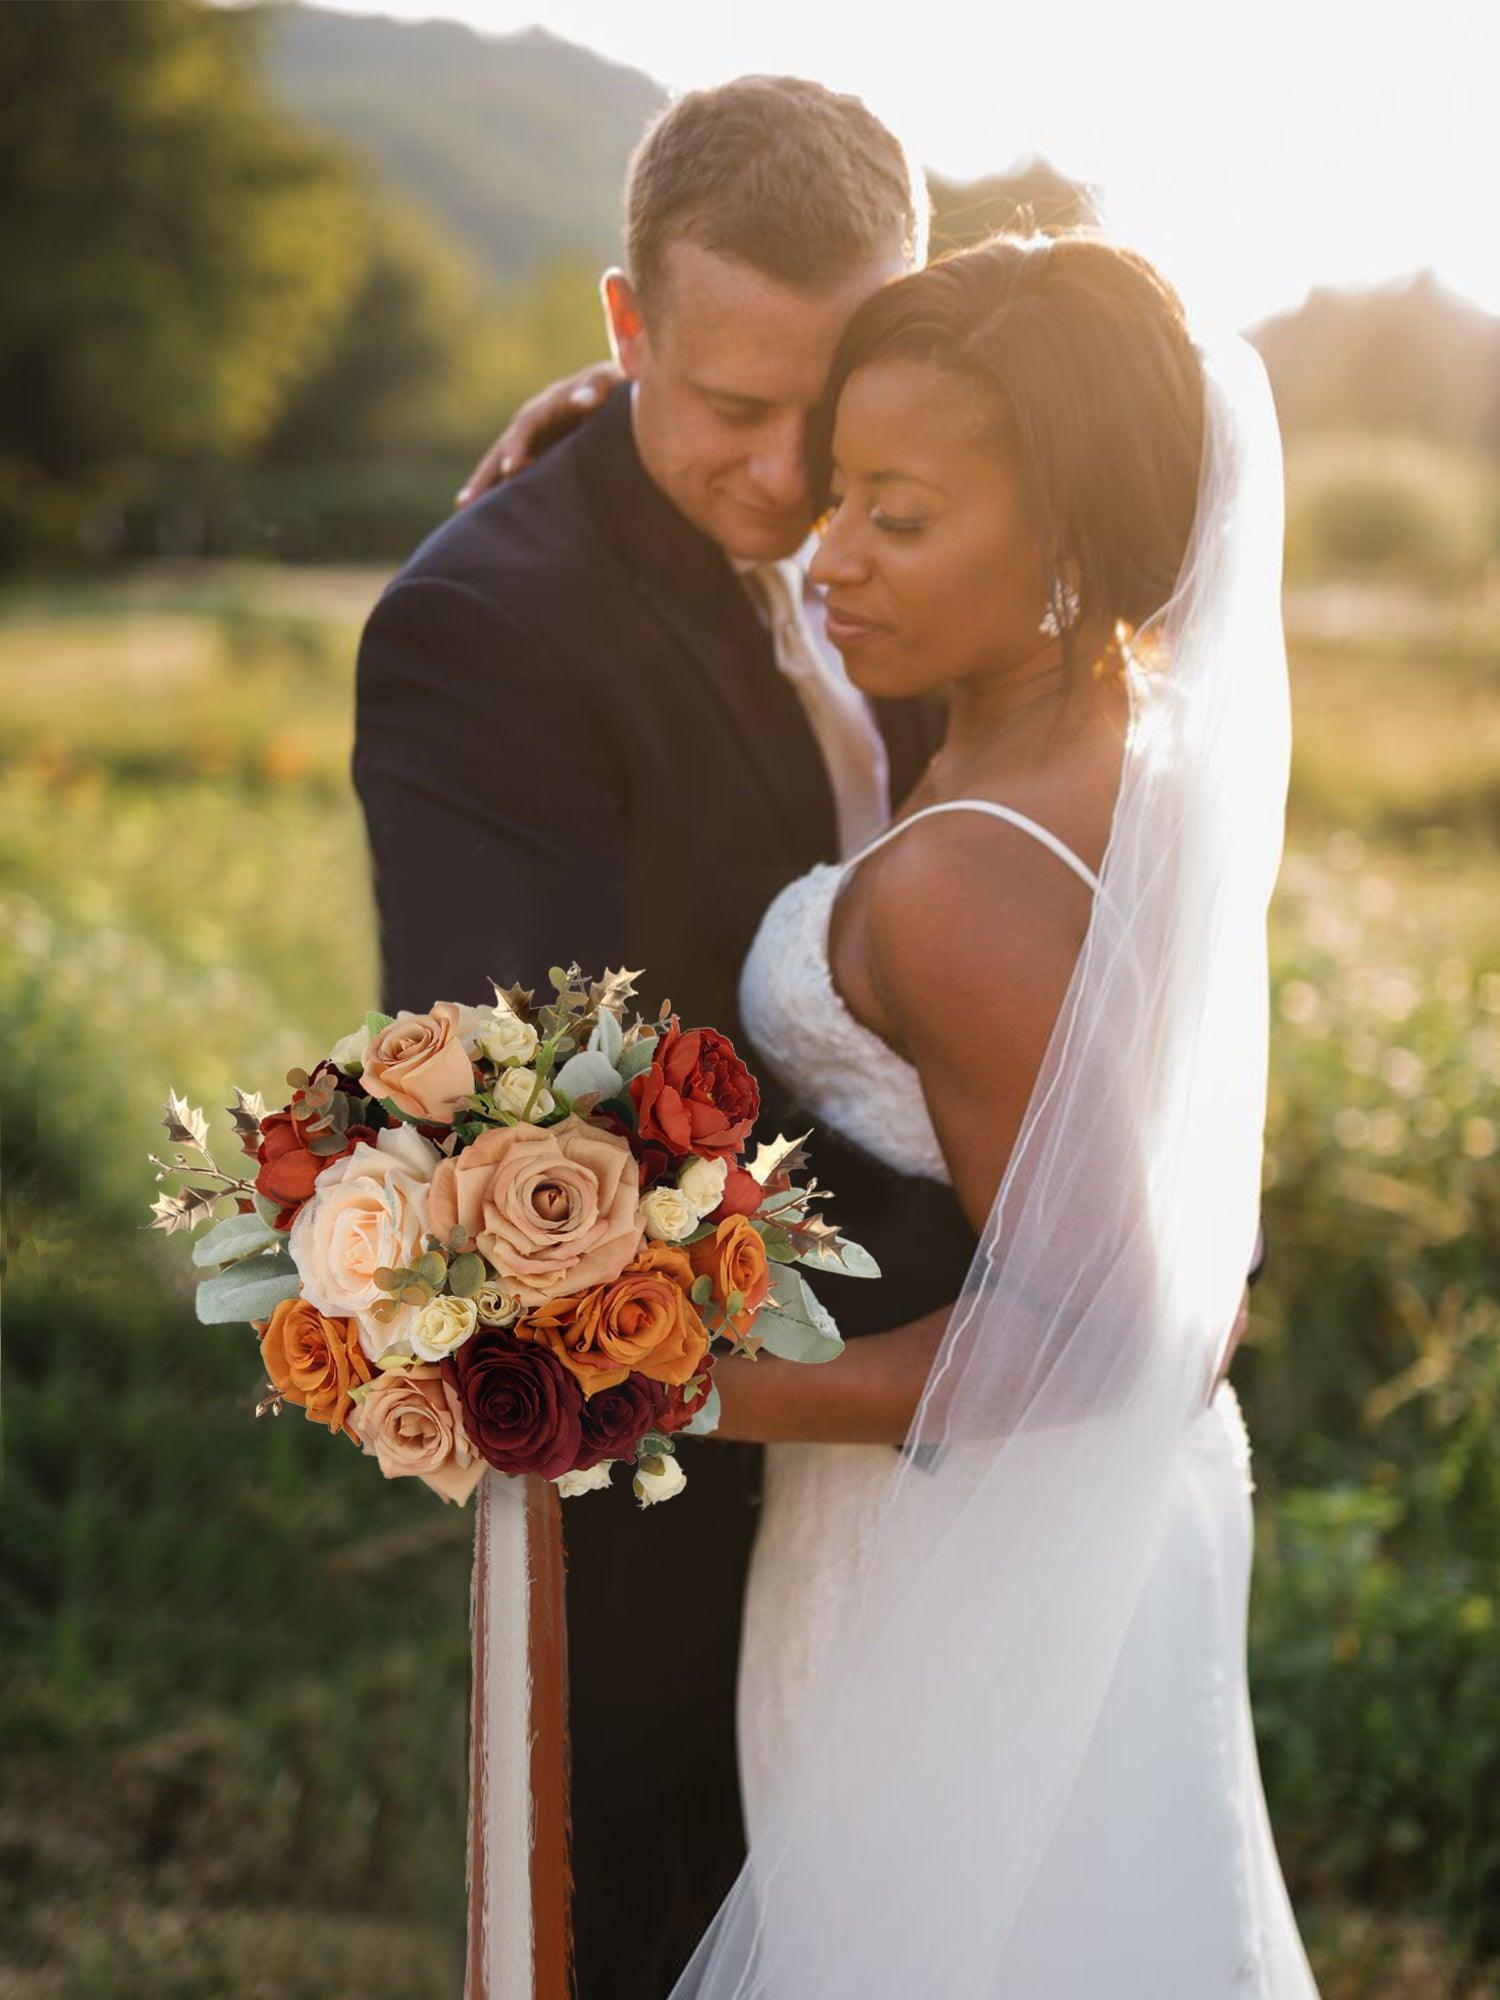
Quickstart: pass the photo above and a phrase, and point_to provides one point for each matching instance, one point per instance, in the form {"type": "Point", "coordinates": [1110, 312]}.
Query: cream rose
{"type": "Point", "coordinates": [667, 1215]}
{"type": "Point", "coordinates": [366, 1211]}
{"type": "Point", "coordinates": [503, 1037]}
{"type": "Point", "coordinates": [551, 1209]}
{"type": "Point", "coordinates": [409, 1420]}
{"type": "Point", "coordinates": [570, 1484]}
{"type": "Point", "coordinates": [513, 1089]}
{"type": "Point", "coordinates": [419, 1062]}
{"type": "Point", "coordinates": [441, 1326]}
{"type": "Point", "coordinates": [702, 1183]}
{"type": "Point", "coordinates": [496, 1306]}
{"type": "Point", "coordinates": [658, 1479]}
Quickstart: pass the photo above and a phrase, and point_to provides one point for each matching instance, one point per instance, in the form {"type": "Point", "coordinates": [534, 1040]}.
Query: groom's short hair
{"type": "Point", "coordinates": [799, 182]}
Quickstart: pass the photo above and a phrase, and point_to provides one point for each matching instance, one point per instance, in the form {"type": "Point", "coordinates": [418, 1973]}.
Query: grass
{"type": "Point", "coordinates": [234, 1688]}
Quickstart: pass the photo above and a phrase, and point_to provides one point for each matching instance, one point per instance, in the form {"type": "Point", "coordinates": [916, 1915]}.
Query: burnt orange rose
{"type": "Point", "coordinates": [643, 1321]}
{"type": "Point", "coordinates": [734, 1258]}
{"type": "Point", "coordinates": [314, 1361]}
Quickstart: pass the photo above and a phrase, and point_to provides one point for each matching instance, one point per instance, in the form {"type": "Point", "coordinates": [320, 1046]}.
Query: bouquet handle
{"type": "Point", "coordinates": [520, 1879]}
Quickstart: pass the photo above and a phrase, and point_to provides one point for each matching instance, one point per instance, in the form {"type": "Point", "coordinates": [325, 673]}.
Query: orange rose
{"type": "Point", "coordinates": [314, 1361]}
{"type": "Point", "coordinates": [419, 1062]}
{"type": "Point", "coordinates": [734, 1257]}
{"type": "Point", "coordinates": [643, 1321]}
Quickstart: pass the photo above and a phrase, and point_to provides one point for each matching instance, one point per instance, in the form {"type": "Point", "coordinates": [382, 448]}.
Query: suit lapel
{"type": "Point", "coordinates": [689, 586]}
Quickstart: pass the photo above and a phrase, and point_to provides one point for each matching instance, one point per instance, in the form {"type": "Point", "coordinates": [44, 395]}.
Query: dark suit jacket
{"type": "Point", "coordinates": [573, 742]}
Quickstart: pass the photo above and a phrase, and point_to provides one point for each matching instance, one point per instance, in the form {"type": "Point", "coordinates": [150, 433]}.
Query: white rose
{"type": "Point", "coordinates": [658, 1479]}
{"type": "Point", "coordinates": [495, 1306]}
{"type": "Point", "coordinates": [441, 1326]}
{"type": "Point", "coordinates": [503, 1036]}
{"type": "Point", "coordinates": [702, 1182]}
{"type": "Point", "coordinates": [366, 1212]}
{"type": "Point", "coordinates": [570, 1484]}
{"type": "Point", "coordinates": [667, 1215]}
{"type": "Point", "coordinates": [513, 1088]}
{"type": "Point", "coordinates": [350, 1052]}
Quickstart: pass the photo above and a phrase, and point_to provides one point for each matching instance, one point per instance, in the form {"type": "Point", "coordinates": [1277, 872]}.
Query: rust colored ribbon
{"type": "Point", "coordinates": [535, 1716]}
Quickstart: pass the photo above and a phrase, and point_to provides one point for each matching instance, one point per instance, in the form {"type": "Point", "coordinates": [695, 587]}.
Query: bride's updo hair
{"type": "Point", "coordinates": [1080, 356]}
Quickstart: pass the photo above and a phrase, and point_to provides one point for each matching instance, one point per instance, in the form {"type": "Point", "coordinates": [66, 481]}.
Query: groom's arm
{"type": "Point", "coordinates": [494, 823]}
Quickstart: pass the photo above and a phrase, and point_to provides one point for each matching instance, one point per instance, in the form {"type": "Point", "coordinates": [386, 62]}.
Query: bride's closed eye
{"type": "Point", "coordinates": [890, 524]}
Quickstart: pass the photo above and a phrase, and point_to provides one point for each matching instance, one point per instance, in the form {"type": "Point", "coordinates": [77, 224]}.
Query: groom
{"type": "Point", "coordinates": [597, 721]}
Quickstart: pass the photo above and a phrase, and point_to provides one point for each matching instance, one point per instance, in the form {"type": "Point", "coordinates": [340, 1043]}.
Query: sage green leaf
{"type": "Point", "coordinates": [703, 1290]}
{"type": "Point", "coordinates": [793, 1324]}
{"type": "Point", "coordinates": [637, 1058]}
{"type": "Point", "coordinates": [608, 1039]}
{"type": "Point", "coordinates": [237, 1236]}
{"type": "Point", "coordinates": [589, 1074]}
{"type": "Point", "coordinates": [431, 1268]}
{"type": "Point", "coordinates": [251, 1289]}
{"type": "Point", "coordinates": [706, 1418]}
{"type": "Point", "coordinates": [850, 1260]}
{"type": "Point", "coordinates": [375, 1022]}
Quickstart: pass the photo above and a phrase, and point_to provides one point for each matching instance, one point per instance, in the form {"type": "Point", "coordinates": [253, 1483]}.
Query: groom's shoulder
{"type": "Point", "coordinates": [519, 544]}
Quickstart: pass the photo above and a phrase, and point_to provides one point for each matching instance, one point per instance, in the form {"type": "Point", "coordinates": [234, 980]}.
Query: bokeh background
{"type": "Point", "coordinates": [268, 281]}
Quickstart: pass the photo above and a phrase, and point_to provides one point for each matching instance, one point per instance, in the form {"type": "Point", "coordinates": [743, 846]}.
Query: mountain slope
{"type": "Point", "coordinates": [518, 142]}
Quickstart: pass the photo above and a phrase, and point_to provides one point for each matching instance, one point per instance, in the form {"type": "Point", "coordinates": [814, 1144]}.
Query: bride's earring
{"type": "Point", "coordinates": [1063, 608]}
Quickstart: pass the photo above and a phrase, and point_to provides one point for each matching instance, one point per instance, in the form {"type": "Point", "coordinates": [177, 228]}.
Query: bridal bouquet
{"type": "Point", "coordinates": [514, 1236]}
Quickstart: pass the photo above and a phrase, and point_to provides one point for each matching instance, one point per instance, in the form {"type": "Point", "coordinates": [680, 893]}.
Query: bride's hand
{"type": "Point", "coordinates": [542, 420]}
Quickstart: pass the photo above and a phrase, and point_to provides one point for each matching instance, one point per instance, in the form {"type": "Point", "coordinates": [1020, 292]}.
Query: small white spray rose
{"type": "Point", "coordinates": [570, 1484]}
{"type": "Point", "coordinates": [513, 1089]}
{"type": "Point", "coordinates": [667, 1215]}
{"type": "Point", "coordinates": [702, 1183]}
{"type": "Point", "coordinates": [495, 1306]}
{"type": "Point", "coordinates": [350, 1052]}
{"type": "Point", "coordinates": [658, 1479]}
{"type": "Point", "coordinates": [442, 1326]}
{"type": "Point", "coordinates": [503, 1036]}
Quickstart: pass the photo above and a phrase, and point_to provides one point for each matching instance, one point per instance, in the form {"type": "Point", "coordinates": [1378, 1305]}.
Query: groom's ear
{"type": "Point", "coordinates": [622, 314]}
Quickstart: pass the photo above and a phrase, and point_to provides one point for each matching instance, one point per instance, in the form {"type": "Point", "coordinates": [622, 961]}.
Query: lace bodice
{"type": "Point", "coordinates": [844, 1075]}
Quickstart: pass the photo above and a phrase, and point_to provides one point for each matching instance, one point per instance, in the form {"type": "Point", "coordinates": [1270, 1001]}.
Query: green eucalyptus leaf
{"type": "Point", "coordinates": [375, 1022]}
{"type": "Point", "coordinates": [465, 1275]}
{"type": "Point", "coordinates": [703, 1289]}
{"type": "Point", "coordinates": [431, 1268]}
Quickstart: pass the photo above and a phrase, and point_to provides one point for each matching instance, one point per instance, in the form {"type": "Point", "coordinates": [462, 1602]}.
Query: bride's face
{"type": "Point", "coordinates": [931, 565]}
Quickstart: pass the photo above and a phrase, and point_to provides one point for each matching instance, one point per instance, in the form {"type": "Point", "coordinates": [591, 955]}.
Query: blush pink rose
{"type": "Point", "coordinates": [419, 1062]}
{"type": "Point", "coordinates": [410, 1422]}
{"type": "Point", "coordinates": [552, 1208]}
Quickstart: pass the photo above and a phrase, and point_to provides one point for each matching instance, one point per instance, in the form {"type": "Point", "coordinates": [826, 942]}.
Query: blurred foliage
{"type": "Point", "coordinates": [234, 1691]}
{"type": "Point", "coordinates": [1402, 505]}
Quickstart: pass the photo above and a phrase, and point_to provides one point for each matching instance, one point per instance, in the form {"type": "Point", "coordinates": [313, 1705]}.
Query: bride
{"type": "Point", "coordinates": [994, 1726]}
{"type": "Point", "coordinates": [995, 1732]}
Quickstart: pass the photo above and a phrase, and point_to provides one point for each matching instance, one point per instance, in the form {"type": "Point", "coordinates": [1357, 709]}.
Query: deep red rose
{"type": "Point", "coordinates": [697, 1096]}
{"type": "Point", "coordinates": [288, 1169]}
{"type": "Point", "coordinates": [652, 1162]}
{"type": "Point", "coordinates": [614, 1420]}
{"type": "Point", "coordinates": [522, 1409]}
{"type": "Point", "coordinates": [682, 1408]}
{"type": "Point", "coordinates": [743, 1195]}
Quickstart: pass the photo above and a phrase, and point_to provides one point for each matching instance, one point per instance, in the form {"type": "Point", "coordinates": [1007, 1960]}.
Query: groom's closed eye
{"type": "Point", "coordinates": [743, 410]}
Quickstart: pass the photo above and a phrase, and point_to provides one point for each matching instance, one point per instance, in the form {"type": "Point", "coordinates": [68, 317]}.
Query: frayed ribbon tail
{"type": "Point", "coordinates": [520, 1937]}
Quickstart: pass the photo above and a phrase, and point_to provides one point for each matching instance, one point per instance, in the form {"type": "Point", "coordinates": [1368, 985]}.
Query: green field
{"type": "Point", "coordinates": [233, 1707]}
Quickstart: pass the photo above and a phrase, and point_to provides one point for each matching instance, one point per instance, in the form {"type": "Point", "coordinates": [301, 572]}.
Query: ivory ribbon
{"type": "Point", "coordinates": [520, 1879]}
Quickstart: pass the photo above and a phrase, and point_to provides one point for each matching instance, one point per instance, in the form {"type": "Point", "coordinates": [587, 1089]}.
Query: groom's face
{"type": "Point", "coordinates": [728, 367]}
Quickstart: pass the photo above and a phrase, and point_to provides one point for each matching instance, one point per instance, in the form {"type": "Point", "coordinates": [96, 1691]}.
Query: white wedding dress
{"type": "Point", "coordinates": [1161, 1882]}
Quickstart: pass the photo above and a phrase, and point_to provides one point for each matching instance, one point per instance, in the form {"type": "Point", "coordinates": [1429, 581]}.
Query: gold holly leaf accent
{"type": "Point", "coordinates": [609, 994]}
{"type": "Point", "coordinates": [185, 1124]}
{"type": "Point", "coordinates": [780, 1155]}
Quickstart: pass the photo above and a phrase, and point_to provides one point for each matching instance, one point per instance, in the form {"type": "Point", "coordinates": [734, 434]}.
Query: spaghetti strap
{"type": "Point", "coordinates": [1048, 840]}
